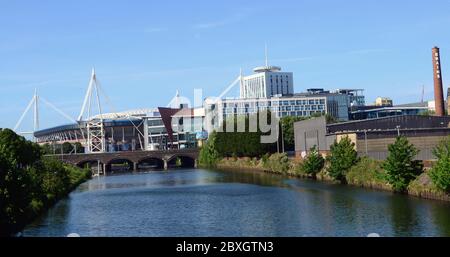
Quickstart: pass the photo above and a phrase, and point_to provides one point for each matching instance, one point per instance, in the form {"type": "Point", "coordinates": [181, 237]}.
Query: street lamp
{"type": "Point", "coordinates": [282, 138]}
{"type": "Point", "coordinates": [365, 141]}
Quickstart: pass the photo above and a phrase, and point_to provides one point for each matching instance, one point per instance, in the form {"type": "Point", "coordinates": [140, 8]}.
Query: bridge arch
{"type": "Point", "coordinates": [95, 165]}
{"type": "Point", "coordinates": [181, 161]}
{"type": "Point", "coordinates": [149, 162]}
{"type": "Point", "coordinates": [88, 163]}
{"type": "Point", "coordinates": [119, 165]}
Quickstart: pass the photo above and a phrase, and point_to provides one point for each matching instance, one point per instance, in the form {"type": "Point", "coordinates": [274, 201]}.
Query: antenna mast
{"type": "Point", "coordinates": [267, 58]}
{"type": "Point", "coordinates": [423, 93]}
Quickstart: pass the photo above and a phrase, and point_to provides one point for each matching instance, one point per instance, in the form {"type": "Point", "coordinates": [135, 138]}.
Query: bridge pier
{"type": "Point", "coordinates": [135, 166]}
{"type": "Point", "coordinates": [165, 165]}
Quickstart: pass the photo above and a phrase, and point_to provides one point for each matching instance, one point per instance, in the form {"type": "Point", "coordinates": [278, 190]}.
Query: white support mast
{"type": "Point", "coordinates": [35, 104]}
{"type": "Point", "coordinates": [36, 111]}
{"type": "Point", "coordinates": [95, 126]}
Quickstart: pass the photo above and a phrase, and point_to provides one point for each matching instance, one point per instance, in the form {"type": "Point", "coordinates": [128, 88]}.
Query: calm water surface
{"type": "Point", "coordinates": [214, 203]}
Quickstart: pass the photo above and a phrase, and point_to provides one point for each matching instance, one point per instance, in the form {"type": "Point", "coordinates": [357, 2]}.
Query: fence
{"type": "Point", "coordinates": [424, 155]}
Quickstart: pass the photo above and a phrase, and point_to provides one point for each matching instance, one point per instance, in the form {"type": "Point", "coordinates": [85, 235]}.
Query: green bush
{"type": "Point", "coordinates": [313, 163]}
{"type": "Point", "coordinates": [368, 173]}
{"type": "Point", "coordinates": [28, 182]}
{"type": "Point", "coordinates": [342, 157]}
{"type": "Point", "coordinates": [400, 166]}
{"type": "Point", "coordinates": [440, 173]}
{"type": "Point", "coordinates": [287, 124]}
{"type": "Point", "coordinates": [278, 163]}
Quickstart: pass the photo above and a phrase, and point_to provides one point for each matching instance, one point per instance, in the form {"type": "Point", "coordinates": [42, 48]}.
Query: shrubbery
{"type": "Point", "coordinates": [368, 173]}
{"type": "Point", "coordinates": [440, 173]}
{"type": "Point", "coordinates": [278, 162]}
{"type": "Point", "coordinates": [28, 182]}
{"type": "Point", "coordinates": [313, 163]}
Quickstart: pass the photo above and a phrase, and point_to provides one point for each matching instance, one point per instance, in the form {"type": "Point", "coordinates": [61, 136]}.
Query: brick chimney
{"type": "Point", "coordinates": [438, 89]}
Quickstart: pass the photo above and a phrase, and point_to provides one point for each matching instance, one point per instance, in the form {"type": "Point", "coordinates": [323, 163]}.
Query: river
{"type": "Point", "coordinates": [216, 203]}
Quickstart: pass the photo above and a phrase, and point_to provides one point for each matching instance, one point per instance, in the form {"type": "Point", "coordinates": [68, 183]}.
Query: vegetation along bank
{"type": "Point", "coordinates": [29, 182]}
{"type": "Point", "coordinates": [399, 173]}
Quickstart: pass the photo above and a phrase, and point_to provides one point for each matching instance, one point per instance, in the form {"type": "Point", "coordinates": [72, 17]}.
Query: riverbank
{"type": "Point", "coordinates": [366, 174]}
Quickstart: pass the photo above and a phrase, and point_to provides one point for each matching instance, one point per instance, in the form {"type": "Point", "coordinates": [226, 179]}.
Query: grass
{"type": "Point", "coordinates": [368, 173]}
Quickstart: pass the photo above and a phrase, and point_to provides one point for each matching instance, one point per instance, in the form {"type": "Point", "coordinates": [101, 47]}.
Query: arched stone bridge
{"type": "Point", "coordinates": [161, 159]}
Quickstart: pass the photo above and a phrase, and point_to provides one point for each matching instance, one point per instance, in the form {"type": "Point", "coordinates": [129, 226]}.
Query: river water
{"type": "Point", "coordinates": [215, 203]}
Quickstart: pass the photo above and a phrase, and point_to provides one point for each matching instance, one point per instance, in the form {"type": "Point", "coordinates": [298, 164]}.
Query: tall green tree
{"type": "Point", "coordinates": [209, 155]}
{"type": "Point", "coordinates": [15, 154]}
{"type": "Point", "coordinates": [342, 157]}
{"type": "Point", "coordinates": [287, 124]}
{"type": "Point", "coordinates": [313, 163]}
{"type": "Point", "coordinates": [67, 148]}
{"type": "Point", "coordinates": [440, 173]}
{"type": "Point", "coordinates": [14, 196]}
{"type": "Point", "coordinates": [400, 166]}
{"type": "Point", "coordinates": [239, 144]}
{"type": "Point", "coordinates": [16, 150]}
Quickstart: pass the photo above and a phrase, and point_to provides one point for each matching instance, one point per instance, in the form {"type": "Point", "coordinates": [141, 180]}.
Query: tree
{"type": "Point", "coordinates": [342, 157]}
{"type": "Point", "coordinates": [400, 165]}
{"type": "Point", "coordinates": [287, 123]}
{"type": "Point", "coordinates": [209, 155]}
{"type": "Point", "coordinates": [56, 180]}
{"type": "Point", "coordinates": [14, 196]}
{"type": "Point", "coordinates": [67, 147]}
{"type": "Point", "coordinates": [46, 149]}
{"type": "Point", "coordinates": [16, 150]}
{"type": "Point", "coordinates": [78, 147]}
{"type": "Point", "coordinates": [313, 163]}
{"type": "Point", "coordinates": [440, 173]}
{"type": "Point", "coordinates": [428, 113]}
{"type": "Point", "coordinates": [240, 144]}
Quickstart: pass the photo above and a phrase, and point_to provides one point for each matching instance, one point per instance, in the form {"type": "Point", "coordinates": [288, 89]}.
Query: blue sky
{"type": "Point", "coordinates": [143, 51]}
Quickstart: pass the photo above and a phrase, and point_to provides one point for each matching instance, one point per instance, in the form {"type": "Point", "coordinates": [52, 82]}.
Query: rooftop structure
{"type": "Point", "coordinates": [372, 136]}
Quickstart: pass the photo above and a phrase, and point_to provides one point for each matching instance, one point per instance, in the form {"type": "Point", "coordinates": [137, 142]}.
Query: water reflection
{"type": "Point", "coordinates": [403, 217]}
{"type": "Point", "coordinates": [217, 203]}
{"type": "Point", "coordinates": [440, 215]}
